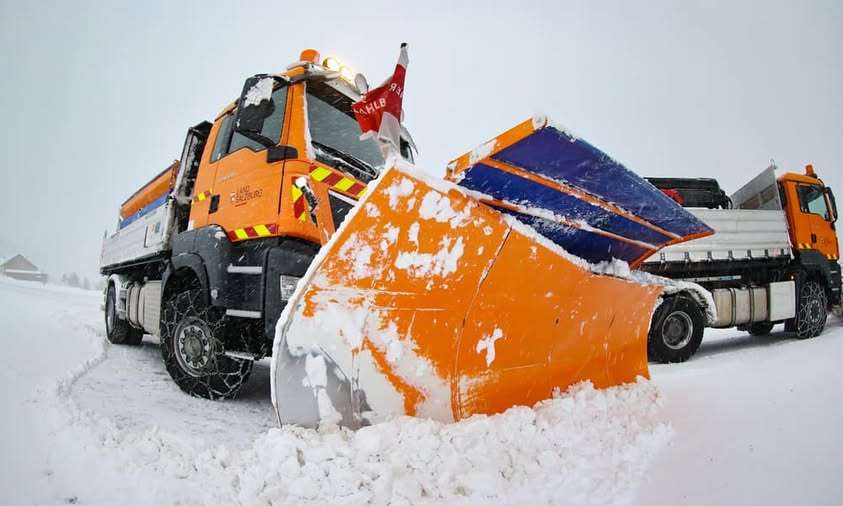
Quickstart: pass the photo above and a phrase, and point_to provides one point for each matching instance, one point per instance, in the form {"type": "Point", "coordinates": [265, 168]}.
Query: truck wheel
{"type": "Point", "coordinates": [760, 328]}
{"type": "Point", "coordinates": [192, 352]}
{"type": "Point", "coordinates": [116, 330]}
{"type": "Point", "coordinates": [812, 310]}
{"type": "Point", "coordinates": [676, 331]}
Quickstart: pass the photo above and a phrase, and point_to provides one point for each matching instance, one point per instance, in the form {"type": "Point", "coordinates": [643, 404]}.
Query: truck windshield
{"type": "Point", "coordinates": [334, 130]}
{"type": "Point", "coordinates": [812, 200]}
{"type": "Point", "coordinates": [335, 133]}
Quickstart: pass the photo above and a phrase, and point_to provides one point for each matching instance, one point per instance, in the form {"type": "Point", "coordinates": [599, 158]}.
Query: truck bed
{"type": "Point", "coordinates": [740, 234]}
{"type": "Point", "coordinates": [143, 224]}
{"type": "Point", "coordinates": [140, 240]}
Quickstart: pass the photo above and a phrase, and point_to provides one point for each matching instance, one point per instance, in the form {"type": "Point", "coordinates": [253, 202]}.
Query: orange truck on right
{"type": "Point", "coordinates": [772, 259]}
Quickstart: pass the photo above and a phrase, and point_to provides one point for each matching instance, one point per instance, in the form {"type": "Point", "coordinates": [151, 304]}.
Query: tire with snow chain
{"type": "Point", "coordinates": [676, 330]}
{"type": "Point", "coordinates": [811, 310]}
{"type": "Point", "coordinates": [116, 330]}
{"type": "Point", "coordinates": [193, 352]}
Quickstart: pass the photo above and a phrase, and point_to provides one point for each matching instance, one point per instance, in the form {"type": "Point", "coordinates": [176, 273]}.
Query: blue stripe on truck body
{"type": "Point", "coordinates": [155, 204]}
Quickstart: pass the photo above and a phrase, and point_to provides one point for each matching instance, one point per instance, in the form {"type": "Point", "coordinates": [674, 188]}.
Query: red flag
{"type": "Point", "coordinates": [379, 111]}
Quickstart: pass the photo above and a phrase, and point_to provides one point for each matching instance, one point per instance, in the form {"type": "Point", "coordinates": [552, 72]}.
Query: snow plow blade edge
{"type": "Point", "coordinates": [574, 194]}
{"type": "Point", "coordinates": [429, 303]}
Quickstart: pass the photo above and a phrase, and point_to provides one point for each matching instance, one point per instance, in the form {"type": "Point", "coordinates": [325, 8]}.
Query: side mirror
{"type": "Point", "coordinates": [281, 152]}
{"type": "Point", "coordinates": [830, 195]}
{"type": "Point", "coordinates": [254, 106]}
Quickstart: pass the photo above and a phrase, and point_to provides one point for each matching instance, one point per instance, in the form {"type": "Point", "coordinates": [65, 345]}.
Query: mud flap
{"type": "Point", "coordinates": [428, 303]}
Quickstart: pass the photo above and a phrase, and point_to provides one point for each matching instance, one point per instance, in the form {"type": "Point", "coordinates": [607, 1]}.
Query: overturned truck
{"type": "Point", "coordinates": [400, 294]}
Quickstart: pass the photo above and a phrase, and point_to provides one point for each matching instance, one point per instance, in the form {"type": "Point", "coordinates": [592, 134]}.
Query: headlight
{"type": "Point", "coordinates": [347, 74]}
{"type": "Point", "coordinates": [332, 64]}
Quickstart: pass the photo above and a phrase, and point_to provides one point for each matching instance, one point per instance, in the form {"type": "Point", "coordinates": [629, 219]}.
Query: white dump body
{"type": "Point", "coordinates": [756, 228]}
{"type": "Point", "coordinates": [145, 237]}
{"type": "Point", "coordinates": [739, 234]}
{"type": "Point", "coordinates": [148, 233]}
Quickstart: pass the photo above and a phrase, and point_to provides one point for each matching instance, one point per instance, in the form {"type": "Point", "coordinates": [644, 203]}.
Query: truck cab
{"type": "Point", "coordinates": [246, 181]}
{"type": "Point", "coordinates": [811, 214]}
{"type": "Point", "coordinates": [207, 254]}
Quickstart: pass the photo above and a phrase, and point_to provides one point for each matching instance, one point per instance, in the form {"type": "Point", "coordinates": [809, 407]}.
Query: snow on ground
{"type": "Point", "coordinates": [90, 423]}
{"type": "Point", "coordinates": [754, 421]}
{"type": "Point", "coordinates": [758, 420]}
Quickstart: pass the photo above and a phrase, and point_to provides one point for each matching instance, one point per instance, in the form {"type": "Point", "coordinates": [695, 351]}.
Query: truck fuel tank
{"type": "Point", "coordinates": [737, 306]}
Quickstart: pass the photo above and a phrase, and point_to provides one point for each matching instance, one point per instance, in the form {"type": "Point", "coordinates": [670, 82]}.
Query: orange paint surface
{"type": "Point", "coordinates": [163, 183]}
{"type": "Point", "coordinates": [807, 230]}
{"type": "Point", "coordinates": [497, 318]}
{"type": "Point", "coordinates": [252, 191]}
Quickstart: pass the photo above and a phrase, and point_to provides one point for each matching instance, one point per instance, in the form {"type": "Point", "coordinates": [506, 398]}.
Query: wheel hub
{"type": "Point", "coordinates": [677, 330]}
{"type": "Point", "coordinates": [194, 348]}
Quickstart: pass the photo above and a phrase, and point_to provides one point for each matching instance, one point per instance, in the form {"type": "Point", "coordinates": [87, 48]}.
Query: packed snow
{"type": "Point", "coordinates": [98, 424]}
{"type": "Point", "coordinates": [441, 263]}
{"type": "Point", "coordinates": [482, 151]}
{"type": "Point", "coordinates": [92, 423]}
{"type": "Point", "coordinates": [486, 345]}
{"type": "Point", "coordinates": [259, 92]}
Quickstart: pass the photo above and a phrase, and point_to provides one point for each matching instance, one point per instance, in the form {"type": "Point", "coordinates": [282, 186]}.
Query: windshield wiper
{"type": "Point", "coordinates": [360, 169]}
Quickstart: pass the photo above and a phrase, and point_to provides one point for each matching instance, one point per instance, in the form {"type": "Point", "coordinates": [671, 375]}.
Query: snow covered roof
{"type": "Point", "coordinates": [18, 263]}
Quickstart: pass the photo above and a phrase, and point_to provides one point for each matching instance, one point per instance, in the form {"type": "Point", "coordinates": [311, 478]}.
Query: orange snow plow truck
{"type": "Point", "coordinates": [377, 290]}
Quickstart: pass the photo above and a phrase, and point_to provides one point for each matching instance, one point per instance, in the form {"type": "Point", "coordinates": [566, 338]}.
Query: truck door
{"type": "Point", "coordinates": [247, 187]}
{"type": "Point", "coordinates": [819, 233]}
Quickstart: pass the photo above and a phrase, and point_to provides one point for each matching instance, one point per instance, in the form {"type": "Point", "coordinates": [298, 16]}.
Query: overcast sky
{"type": "Point", "coordinates": [97, 96]}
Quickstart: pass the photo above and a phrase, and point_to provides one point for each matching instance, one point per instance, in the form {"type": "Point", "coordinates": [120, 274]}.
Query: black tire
{"type": "Point", "coordinates": [118, 331]}
{"type": "Point", "coordinates": [193, 352]}
{"type": "Point", "coordinates": [811, 310]}
{"type": "Point", "coordinates": [760, 328]}
{"type": "Point", "coordinates": [676, 330]}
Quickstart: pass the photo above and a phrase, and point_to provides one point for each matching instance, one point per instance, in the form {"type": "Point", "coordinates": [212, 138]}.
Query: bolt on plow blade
{"type": "Point", "coordinates": [428, 303]}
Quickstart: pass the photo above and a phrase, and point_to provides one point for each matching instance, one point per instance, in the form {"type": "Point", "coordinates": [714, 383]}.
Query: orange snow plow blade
{"type": "Point", "coordinates": [428, 303]}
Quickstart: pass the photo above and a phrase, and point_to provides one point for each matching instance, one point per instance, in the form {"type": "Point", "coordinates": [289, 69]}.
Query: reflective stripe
{"type": "Point", "coordinates": [344, 184]}
{"type": "Point", "coordinates": [202, 195]}
{"type": "Point", "coordinates": [337, 181]}
{"type": "Point", "coordinates": [254, 231]}
{"type": "Point", "coordinates": [299, 205]}
{"type": "Point", "coordinates": [320, 173]}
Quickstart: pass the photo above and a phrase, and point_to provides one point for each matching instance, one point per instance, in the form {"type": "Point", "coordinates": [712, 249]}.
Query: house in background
{"type": "Point", "coordinates": [19, 267]}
